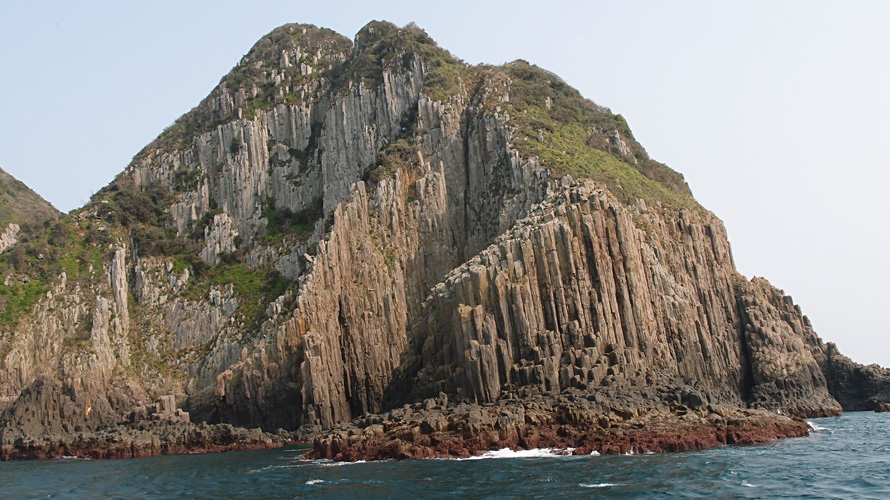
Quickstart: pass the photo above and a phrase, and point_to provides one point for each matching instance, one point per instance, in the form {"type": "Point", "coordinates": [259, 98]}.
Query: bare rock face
{"type": "Point", "coordinates": [47, 422]}
{"type": "Point", "coordinates": [780, 343]}
{"type": "Point", "coordinates": [343, 228]}
{"type": "Point", "coordinates": [9, 236]}
{"type": "Point", "coordinates": [857, 387]}
{"type": "Point", "coordinates": [577, 296]}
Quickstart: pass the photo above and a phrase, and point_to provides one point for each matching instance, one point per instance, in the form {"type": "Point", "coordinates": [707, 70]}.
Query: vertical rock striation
{"type": "Point", "coordinates": [781, 345]}
{"type": "Point", "coordinates": [587, 292]}
{"type": "Point", "coordinates": [576, 295]}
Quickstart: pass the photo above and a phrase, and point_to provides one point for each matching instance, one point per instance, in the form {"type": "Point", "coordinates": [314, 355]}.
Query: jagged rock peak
{"type": "Point", "coordinates": [306, 66]}
{"type": "Point", "coordinates": [377, 33]}
{"type": "Point", "coordinates": [286, 53]}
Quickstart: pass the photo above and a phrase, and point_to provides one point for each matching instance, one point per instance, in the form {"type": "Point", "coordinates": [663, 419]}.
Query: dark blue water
{"type": "Point", "coordinates": [845, 458]}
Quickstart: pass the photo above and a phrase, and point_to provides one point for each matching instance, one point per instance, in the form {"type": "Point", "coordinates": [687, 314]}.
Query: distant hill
{"type": "Point", "coordinates": [23, 207]}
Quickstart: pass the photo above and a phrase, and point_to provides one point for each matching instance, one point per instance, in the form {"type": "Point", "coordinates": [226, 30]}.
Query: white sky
{"type": "Point", "coordinates": [777, 113]}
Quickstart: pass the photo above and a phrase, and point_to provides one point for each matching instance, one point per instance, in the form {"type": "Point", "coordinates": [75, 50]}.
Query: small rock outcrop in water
{"type": "Point", "coordinates": [343, 227]}
{"type": "Point", "coordinates": [857, 387]}
{"type": "Point", "coordinates": [575, 424]}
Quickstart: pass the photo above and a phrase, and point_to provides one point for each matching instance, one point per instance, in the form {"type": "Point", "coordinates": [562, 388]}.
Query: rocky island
{"type": "Point", "coordinates": [377, 247]}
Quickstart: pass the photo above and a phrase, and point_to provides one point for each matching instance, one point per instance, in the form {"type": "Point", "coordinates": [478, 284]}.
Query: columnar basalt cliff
{"type": "Point", "coordinates": [343, 228]}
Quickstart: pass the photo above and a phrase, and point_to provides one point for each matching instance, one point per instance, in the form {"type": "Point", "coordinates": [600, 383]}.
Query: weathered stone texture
{"type": "Point", "coordinates": [576, 295]}
{"type": "Point", "coordinates": [9, 236]}
{"type": "Point", "coordinates": [781, 342]}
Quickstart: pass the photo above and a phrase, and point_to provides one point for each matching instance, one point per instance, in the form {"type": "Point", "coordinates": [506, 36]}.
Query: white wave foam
{"type": "Point", "coordinates": [71, 457]}
{"type": "Point", "coordinates": [534, 453]}
{"type": "Point", "coordinates": [635, 451]}
{"type": "Point", "coordinates": [594, 453]}
{"type": "Point", "coordinates": [748, 485]}
{"type": "Point", "coordinates": [261, 469]}
{"type": "Point", "coordinates": [331, 463]}
{"type": "Point", "coordinates": [314, 481]}
{"type": "Point", "coordinates": [815, 427]}
{"type": "Point", "coordinates": [284, 467]}
{"type": "Point", "coordinates": [598, 485]}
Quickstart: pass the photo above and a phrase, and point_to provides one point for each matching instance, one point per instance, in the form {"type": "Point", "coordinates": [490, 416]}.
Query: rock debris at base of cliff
{"type": "Point", "coordinates": [573, 423]}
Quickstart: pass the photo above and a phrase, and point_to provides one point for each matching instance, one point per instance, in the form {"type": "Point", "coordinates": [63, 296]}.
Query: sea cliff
{"type": "Point", "coordinates": [345, 229]}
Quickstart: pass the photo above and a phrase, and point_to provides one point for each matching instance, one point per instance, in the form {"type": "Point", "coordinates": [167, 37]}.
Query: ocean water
{"type": "Point", "coordinates": [844, 458]}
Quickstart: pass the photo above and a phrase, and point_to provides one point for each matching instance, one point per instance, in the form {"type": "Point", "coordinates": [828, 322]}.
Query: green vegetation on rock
{"type": "Point", "coordinates": [19, 204]}
{"type": "Point", "coordinates": [382, 45]}
{"type": "Point", "coordinates": [18, 299]}
{"type": "Point", "coordinates": [572, 135]}
{"type": "Point", "coordinates": [282, 221]}
{"type": "Point", "coordinates": [398, 154]}
{"type": "Point", "coordinates": [73, 245]}
{"type": "Point", "coordinates": [143, 212]}
{"type": "Point", "coordinates": [254, 288]}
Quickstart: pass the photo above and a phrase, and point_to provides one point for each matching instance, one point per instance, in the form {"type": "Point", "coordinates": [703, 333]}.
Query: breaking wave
{"type": "Point", "coordinates": [533, 453]}
{"type": "Point", "coordinates": [598, 485]}
{"type": "Point", "coordinates": [816, 427]}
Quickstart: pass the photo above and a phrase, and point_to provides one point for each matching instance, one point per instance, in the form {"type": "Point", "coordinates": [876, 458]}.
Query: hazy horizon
{"type": "Point", "coordinates": [773, 111]}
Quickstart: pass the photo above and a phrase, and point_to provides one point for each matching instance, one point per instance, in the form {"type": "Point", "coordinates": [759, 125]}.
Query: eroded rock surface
{"type": "Point", "coordinates": [857, 387]}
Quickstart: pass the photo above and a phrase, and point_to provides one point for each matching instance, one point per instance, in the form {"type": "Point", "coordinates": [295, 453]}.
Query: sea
{"type": "Point", "coordinates": [846, 457]}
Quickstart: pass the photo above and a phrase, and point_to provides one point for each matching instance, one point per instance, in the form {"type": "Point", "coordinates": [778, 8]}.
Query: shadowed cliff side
{"type": "Point", "coordinates": [856, 387]}
{"type": "Point", "coordinates": [781, 346]}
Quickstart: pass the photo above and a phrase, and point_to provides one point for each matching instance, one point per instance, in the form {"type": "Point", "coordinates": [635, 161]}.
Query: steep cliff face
{"type": "Point", "coordinates": [857, 387]}
{"type": "Point", "coordinates": [579, 295]}
{"type": "Point", "coordinates": [390, 240]}
{"type": "Point", "coordinates": [343, 227]}
{"type": "Point", "coordinates": [587, 292]}
{"type": "Point", "coordinates": [783, 351]}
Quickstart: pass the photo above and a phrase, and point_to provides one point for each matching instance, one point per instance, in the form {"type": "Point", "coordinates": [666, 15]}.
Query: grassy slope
{"type": "Point", "coordinates": [19, 204]}
{"type": "Point", "coordinates": [571, 135]}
